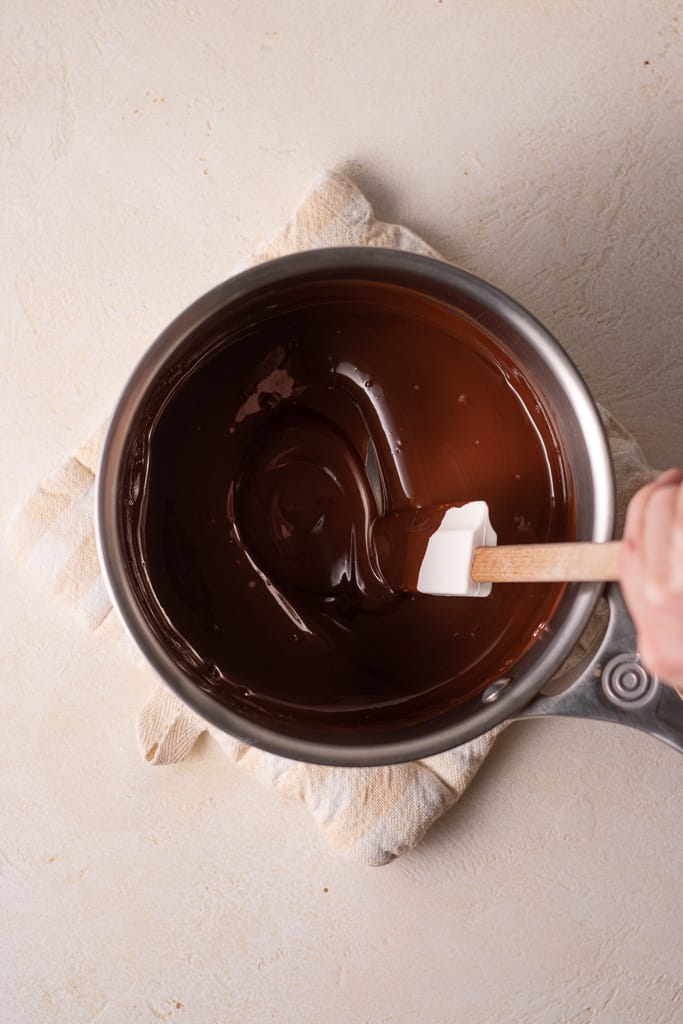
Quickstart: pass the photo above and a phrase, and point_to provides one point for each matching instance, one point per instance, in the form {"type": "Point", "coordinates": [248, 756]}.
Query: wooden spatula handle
{"type": "Point", "coordinates": [531, 563]}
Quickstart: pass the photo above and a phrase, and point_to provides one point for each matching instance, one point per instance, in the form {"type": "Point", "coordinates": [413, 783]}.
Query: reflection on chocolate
{"type": "Point", "coordinates": [265, 469]}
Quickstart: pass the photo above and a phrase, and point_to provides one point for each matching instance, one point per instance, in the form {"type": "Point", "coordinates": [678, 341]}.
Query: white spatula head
{"type": "Point", "coordinates": [447, 563]}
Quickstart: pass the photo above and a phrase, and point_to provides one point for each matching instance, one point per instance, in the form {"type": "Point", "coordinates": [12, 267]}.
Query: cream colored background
{"type": "Point", "coordinates": [147, 147]}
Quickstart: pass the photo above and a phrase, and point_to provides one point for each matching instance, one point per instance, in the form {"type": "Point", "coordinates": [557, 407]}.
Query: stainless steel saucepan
{"type": "Point", "coordinates": [610, 683]}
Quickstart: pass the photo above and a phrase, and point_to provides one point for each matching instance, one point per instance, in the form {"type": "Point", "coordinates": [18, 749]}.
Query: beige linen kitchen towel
{"type": "Point", "coordinates": [370, 814]}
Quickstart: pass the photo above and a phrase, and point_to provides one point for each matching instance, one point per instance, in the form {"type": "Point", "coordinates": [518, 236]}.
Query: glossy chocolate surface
{"type": "Point", "coordinates": [266, 470]}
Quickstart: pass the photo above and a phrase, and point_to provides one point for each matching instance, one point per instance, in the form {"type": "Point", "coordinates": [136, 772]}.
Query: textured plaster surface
{"type": "Point", "coordinates": [146, 148]}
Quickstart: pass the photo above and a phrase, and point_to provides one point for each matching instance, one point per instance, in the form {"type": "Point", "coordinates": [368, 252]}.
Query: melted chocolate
{"type": "Point", "coordinates": [266, 469]}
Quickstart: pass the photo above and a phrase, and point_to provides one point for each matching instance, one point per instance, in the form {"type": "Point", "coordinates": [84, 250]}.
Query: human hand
{"type": "Point", "coordinates": [651, 571]}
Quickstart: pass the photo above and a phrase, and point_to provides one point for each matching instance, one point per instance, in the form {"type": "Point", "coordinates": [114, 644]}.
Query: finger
{"type": "Point", "coordinates": [677, 544]}
{"type": "Point", "coordinates": [657, 536]}
{"type": "Point", "coordinates": [635, 513]}
{"type": "Point", "coordinates": [670, 476]}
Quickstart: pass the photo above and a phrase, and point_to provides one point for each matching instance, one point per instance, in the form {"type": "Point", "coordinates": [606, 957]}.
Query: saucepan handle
{"type": "Point", "coordinates": [613, 685]}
